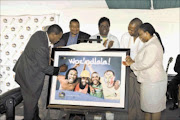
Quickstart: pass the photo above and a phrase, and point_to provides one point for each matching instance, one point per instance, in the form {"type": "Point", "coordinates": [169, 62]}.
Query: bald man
{"type": "Point", "coordinates": [131, 39]}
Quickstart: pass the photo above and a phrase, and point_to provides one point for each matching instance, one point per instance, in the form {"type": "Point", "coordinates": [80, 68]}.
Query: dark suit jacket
{"type": "Point", "coordinates": [177, 65]}
{"type": "Point", "coordinates": [65, 37]}
{"type": "Point", "coordinates": [33, 64]}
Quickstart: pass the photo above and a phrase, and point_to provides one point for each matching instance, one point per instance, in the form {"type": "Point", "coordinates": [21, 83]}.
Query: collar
{"type": "Point", "coordinates": [74, 36]}
{"type": "Point", "coordinates": [49, 43]}
{"type": "Point", "coordinates": [106, 37]}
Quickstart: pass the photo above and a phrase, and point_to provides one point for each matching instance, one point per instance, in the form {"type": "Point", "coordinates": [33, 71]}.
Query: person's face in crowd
{"type": "Point", "coordinates": [72, 76]}
{"type": "Point", "coordinates": [95, 78]}
{"type": "Point", "coordinates": [84, 80]}
{"type": "Point", "coordinates": [74, 28]}
{"type": "Point", "coordinates": [104, 29]}
{"type": "Point", "coordinates": [143, 35]}
{"type": "Point", "coordinates": [109, 78]}
{"type": "Point", "coordinates": [117, 84]}
{"type": "Point", "coordinates": [132, 29]}
{"type": "Point", "coordinates": [55, 38]}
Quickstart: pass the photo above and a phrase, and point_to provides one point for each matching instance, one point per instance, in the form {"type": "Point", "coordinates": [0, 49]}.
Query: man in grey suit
{"type": "Point", "coordinates": [32, 66]}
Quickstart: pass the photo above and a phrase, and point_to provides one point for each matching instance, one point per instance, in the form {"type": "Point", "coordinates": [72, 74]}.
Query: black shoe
{"type": "Point", "coordinates": [173, 107]}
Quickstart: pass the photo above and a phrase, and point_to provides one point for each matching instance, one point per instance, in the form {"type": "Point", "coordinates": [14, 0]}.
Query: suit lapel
{"type": "Point", "coordinates": [79, 37]}
{"type": "Point", "coordinates": [66, 37]}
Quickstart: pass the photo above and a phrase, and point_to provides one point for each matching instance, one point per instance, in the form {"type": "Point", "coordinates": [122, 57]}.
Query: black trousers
{"type": "Point", "coordinates": [31, 110]}
{"type": "Point", "coordinates": [173, 88]}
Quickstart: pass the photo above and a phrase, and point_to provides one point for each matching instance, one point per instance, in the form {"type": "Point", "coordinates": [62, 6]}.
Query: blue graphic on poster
{"type": "Point", "coordinates": [89, 78]}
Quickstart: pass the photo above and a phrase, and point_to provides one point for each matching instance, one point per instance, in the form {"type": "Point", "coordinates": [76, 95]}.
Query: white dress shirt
{"type": "Point", "coordinates": [109, 38]}
{"type": "Point", "coordinates": [127, 41]}
{"type": "Point", "coordinates": [148, 66]}
{"type": "Point", "coordinates": [49, 43]}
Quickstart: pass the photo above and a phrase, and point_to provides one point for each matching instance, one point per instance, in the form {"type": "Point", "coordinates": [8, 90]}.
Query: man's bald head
{"type": "Point", "coordinates": [134, 26]}
{"type": "Point", "coordinates": [136, 21]}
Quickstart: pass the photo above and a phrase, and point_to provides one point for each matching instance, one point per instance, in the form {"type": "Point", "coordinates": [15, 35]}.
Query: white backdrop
{"type": "Point", "coordinates": [165, 21]}
{"type": "Point", "coordinates": [15, 34]}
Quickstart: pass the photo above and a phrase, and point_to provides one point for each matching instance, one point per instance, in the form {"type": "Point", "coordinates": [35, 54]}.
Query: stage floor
{"type": "Point", "coordinates": [166, 114]}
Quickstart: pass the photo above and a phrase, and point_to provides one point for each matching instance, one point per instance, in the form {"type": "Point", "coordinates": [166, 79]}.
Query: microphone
{"type": "Point", "coordinates": [170, 60]}
{"type": "Point", "coordinates": [98, 37]}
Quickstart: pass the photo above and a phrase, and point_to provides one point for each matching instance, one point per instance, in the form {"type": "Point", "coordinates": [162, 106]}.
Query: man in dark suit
{"type": "Point", "coordinates": [32, 66]}
{"type": "Point", "coordinates": [74, 36]}
{"type": "Point", "coordinates": [173, 85]}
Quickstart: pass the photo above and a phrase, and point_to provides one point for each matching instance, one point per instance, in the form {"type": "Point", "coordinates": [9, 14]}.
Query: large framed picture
{"type": "Point", "coordinates": [93, 80]}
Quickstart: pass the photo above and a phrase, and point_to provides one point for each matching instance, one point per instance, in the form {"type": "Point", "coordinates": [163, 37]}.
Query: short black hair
{"type": "Point", "coordinates": [54, 29]}
{"type": "Point", "coordinates": [66, 76]}
{"type": "Point", "coordinates": [137, 22]}
{"type": "Point", "coordinates": [74, 20]}
{"type": "Point", "coordinates": [102, 20]}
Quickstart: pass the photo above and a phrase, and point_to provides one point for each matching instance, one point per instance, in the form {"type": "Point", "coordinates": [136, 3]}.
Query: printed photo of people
{"type": "Point", "coordinates": [89, 78]}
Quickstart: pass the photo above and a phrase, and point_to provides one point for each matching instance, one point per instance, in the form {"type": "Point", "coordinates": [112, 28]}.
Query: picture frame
{"type": "Point", "coordinates": [72, 95]}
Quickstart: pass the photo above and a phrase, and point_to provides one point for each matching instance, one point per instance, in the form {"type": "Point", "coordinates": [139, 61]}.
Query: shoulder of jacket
{"type": "Point", "coordinates": [40, 32]}
{"type": "Point", "coordinates": [153, 46]}
{"type": "Point", "coordinates": [112, 36]}
{"type": "Point", "coordinates": [80, 32]}
{"type": "Point", "coordinates": [126, 35]}
{"type": "Point", "coordinates": [178, 57]}
{"type": "Point", "coordinates": [67, 33]}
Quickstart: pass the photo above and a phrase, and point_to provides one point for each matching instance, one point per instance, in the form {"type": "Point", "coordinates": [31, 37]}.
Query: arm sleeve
{"type": "Point", "coordinates": [61, 42]}
{"type": "Point", "coordinates": [86, 36]}
{"type": "Point", "coordinates": [116, 43]}
{"type": "Point", "coordinates": [177, 65]}
{"type": "Point", "coordinates": [123, 41]}
{"type": "Point", "coordinates": [42, 59]}
{"type": "Point", "coordinates": [148, 59]}
{"type": "Point", "coordinates": [56, 70]}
